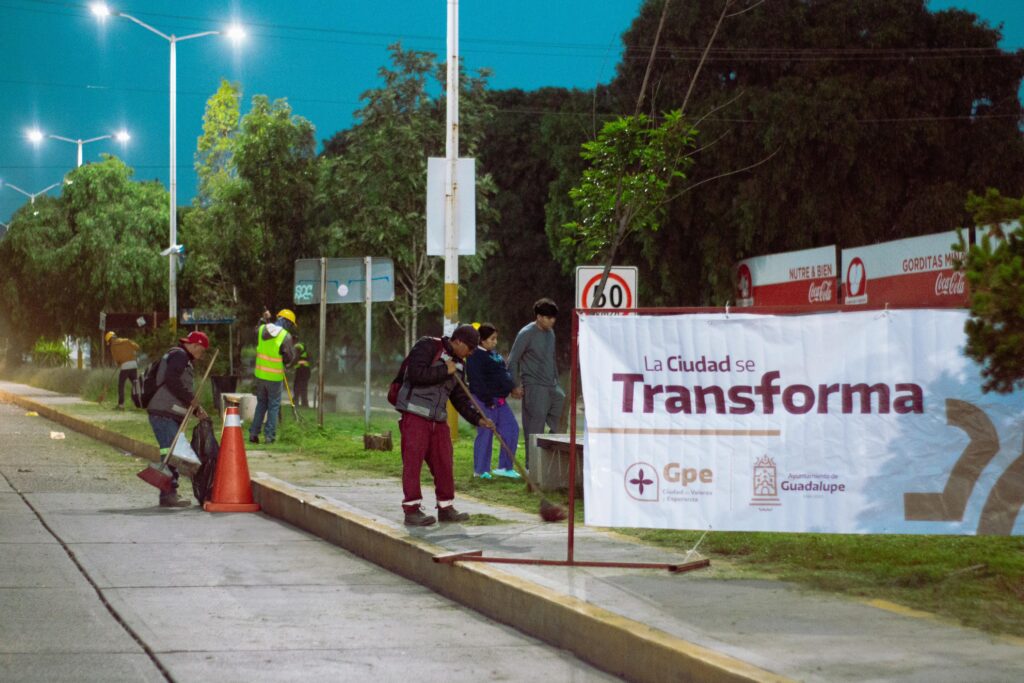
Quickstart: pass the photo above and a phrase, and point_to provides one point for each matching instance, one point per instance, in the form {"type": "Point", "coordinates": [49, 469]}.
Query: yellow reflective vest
{"type": "Point", "coordinates": [269, 363]}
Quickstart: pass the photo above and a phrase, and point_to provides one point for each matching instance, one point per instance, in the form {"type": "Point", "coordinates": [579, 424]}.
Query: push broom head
{"type": "Point", "coordinates": [159, 476]}
{"type": "Point", "coordinates": [550, 512]}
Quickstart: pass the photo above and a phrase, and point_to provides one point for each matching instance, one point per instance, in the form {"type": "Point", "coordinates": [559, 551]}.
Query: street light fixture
{"type": "Point", "coordinates": [235, 33]}
{"type": "Point", "coordinates": [31, 195]}
{"type": "Point", "coordinates": [36, 136]}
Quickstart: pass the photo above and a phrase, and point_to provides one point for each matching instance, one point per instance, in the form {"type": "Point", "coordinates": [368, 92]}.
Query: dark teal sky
{"type": "Point", "coordinates": [72, 76]}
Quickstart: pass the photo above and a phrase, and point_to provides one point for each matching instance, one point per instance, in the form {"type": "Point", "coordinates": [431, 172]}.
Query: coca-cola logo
{"type": "Point", "coordinates": [744, 281]}
{"type": "Point", "coordinates": [820, 292]}
{"type": "Point", "coordinates": [951, 284]}
{"type": "Point", "coordinates": [856, 278]}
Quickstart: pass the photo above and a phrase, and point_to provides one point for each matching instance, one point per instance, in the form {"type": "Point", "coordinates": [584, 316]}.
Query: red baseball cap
{"type": "Point", "coordinates": [196, 338]}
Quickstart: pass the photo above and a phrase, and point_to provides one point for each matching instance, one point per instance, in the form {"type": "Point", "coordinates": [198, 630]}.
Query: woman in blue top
{"type": "Point", "coordinates": [491, 383]}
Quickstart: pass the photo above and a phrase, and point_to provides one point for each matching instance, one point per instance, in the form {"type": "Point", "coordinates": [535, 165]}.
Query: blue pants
{"type": "Point", "coordinates": [268, 404]}
{"type": "Point", "coordinates": [164, 429]}
{"type": "Point", "coordinates": [508, 428]}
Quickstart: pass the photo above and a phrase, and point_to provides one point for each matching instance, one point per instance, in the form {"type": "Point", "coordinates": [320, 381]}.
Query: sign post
{"type": "Point", "coordinates": [368, 299]}
{"type": "Point", "coordinates": [619, 291]}
{"type": "Point", "coordinates": [342, 281]}
{"type": "Point", "coordinates": [323, 343]}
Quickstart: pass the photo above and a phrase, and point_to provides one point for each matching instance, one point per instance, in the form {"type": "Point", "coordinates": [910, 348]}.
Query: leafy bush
{"type": "Point", "coordinates": [48, 353]}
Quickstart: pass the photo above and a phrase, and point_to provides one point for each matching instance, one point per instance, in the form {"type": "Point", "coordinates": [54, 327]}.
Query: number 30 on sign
{"type": "Point", "coordinates": [619, 291]}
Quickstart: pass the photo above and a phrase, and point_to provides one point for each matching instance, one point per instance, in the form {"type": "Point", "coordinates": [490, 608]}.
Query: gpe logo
{"type": "Point", "coordinates": [641, 482]}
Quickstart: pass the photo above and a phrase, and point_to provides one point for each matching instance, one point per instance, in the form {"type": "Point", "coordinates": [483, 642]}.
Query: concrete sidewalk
{"type": "Point", "coordinates": [643, 624]}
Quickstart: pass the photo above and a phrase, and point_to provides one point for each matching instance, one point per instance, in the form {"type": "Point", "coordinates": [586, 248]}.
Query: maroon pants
{"type": "Point", "coordinates": [431, 441]}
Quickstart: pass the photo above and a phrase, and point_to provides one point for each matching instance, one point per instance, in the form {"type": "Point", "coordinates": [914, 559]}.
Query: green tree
{"type": "Point", "coordinates": [882, 113]}
{"type": "Point", "coordinates": [253, 219]}
{"type": "Point", "coordinates": [96, 248]}
{"type": "Point", "coordinates": [530, 137]}
{"type": "Point", "coordinates": [995, 272]}
{"type": "Point", "coordinates": [372, 191]}
{"type": "Point", "coordinates": [215, 146]}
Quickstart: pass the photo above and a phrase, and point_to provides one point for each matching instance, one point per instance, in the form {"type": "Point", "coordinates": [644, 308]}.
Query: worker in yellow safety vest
{"type": "Point", "coordinates": [275, 349]}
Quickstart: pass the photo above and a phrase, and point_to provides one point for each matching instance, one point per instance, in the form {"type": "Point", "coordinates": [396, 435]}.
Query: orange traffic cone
{"type": "Point", "coordinates": [232, 491]}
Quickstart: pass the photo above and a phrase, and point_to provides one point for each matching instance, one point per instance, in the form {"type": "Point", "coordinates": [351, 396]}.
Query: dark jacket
{"type": "Point", "coordinates": [428, 387]}
{"type": "Point", "coordinates": [489, 378]}
{"type": "Point", "coordinates": [174, 378]}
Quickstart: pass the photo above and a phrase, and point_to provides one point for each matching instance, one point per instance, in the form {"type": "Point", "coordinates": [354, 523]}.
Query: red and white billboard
{"type": "Point", "coordinates": [793, 278]}
{"type": "Point", "coordinates": [917, 271]}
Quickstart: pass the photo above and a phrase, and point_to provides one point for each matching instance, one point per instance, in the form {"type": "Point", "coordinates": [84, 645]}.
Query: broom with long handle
{"type": "Point", "coordinates": [103, 391]}
{"type": "Point", "coordinates": [549, 512]}
{"type": "Point", "coordinates": [157, 474]}
{"type": "Point", "coordinates": [291, 399]}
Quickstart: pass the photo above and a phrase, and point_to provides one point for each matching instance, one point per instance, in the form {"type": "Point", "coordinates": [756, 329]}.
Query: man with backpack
{"type": "Point", "coordinates": [172, 398]}
{"type": "Point", "coordinates": [428, 383]}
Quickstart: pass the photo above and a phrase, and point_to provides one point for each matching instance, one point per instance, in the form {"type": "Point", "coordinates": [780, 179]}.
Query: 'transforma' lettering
{"type": "Point", "coordinates": [769, 396]}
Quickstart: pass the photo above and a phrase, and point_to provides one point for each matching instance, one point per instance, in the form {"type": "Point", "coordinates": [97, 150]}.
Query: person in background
{"type": "Point", "coordinates": [275, 349]}
{"type": "Point", "coordinates": [303, 370]}
{"type": "Point", "coordinates": [531, 363]}
{"type": "Point", "coordinates": [427, 386]}
{"type": "Point", "coordinates": [125, 353]}
{"type": "Point", "coordinates": [491, 383]}
{"type": "Point", "coordinates": [170, 403]}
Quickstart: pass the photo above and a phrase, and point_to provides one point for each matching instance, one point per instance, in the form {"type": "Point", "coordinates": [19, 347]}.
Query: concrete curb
{"type": "Point", "coordinates": [610, 642]}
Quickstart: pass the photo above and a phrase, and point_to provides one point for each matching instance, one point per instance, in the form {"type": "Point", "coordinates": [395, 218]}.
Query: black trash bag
{"type": "Point", "coordinates": [204, 443]}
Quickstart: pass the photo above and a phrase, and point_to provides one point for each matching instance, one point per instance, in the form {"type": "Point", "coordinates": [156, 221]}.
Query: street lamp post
{"type": "Point", "coordinates": [37, 136]}
{"type": "Point", "coordinates": [31, 195]}
{"type": "Point", "coordinates": [235, 33]}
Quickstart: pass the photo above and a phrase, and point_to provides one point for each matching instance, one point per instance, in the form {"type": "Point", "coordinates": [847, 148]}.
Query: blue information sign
{"type": "Point", "coordinates": [346, 281]}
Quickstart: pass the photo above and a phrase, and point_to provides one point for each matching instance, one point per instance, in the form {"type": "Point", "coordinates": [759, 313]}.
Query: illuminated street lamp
{"type": "Point", "coordinates": [235, 33]}
{"type": "Point", "coordinates": [31, 195]}
{"type": "Point", "coordinates": [36, 136]}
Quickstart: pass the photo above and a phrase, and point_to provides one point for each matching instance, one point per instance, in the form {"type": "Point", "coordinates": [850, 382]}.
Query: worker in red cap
{"type": "Point", "coordinates": [170, 403]}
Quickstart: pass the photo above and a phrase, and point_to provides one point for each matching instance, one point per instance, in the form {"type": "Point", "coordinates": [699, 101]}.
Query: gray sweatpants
{"type": "Point", "coordinates": [541, 405]}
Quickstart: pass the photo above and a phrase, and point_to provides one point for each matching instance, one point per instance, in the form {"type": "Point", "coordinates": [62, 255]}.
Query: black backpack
{"type": "Point", "coordinates": [399, 380]}
{"type": "Point", "coordinates": [145, 386]}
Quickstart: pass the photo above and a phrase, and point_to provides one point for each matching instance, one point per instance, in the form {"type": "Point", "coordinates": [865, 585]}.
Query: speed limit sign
{"type": "Point", "coordinates": [619, 290]}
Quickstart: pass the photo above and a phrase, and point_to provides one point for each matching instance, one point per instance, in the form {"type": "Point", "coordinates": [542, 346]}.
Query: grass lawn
{"type": "Point", "coordinates": [976, 581]}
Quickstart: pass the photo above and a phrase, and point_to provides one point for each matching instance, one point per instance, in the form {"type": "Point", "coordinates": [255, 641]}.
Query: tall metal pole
{"type": "Point", "coordinates": [451, 188]}
{"type": "Point", "coordinates": [79, 153]}
{"type": "Point", "coordinates": [368, 299]}
{"type": "Point", "coordinates": [323, 344]}
{"type": "Point", "coordinates": [172, 282]}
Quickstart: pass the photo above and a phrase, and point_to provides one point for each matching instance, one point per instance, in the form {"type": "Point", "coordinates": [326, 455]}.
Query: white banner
{"type": "Point", "coordinates": [858, 422]}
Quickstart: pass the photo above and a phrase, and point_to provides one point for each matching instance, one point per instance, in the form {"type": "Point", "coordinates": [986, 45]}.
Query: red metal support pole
{"type": "Point", "coordinates": [573, 374]}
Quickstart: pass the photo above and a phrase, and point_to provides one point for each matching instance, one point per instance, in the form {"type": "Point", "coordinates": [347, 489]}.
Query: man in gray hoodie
{"type": "Point", "coordinates": [531, 362]}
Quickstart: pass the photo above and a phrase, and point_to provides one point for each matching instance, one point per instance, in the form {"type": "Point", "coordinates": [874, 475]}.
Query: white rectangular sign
{"type": "Point", "coordinates": [465, 171]}
{"type": "Point", "coordinates": [916, 271]}
{"type": "Point", "coordinates": [793, 278]}
{"type": "Point", "coordinates": [858, 422]}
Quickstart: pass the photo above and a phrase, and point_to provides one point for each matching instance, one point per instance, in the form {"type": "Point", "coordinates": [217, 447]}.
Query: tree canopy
{"type": "Point", "coordinates": [881, 115]}
{"type": "Point", "coordinates": [95, 248]}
